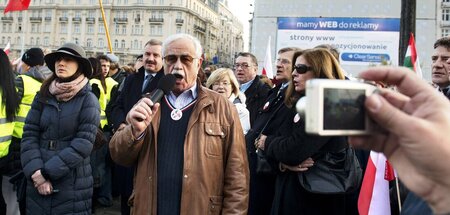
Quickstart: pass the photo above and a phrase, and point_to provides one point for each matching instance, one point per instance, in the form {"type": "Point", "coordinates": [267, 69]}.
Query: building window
{"type": "Point", "coordinates": [89, 43]}
{"type": "Point", "coordinates": [117, 28]}
{"type": "Point", "coordinates": [33, 28]}
{"type": "Point", "coordinates": [178, 29]}
{"type": "Point", "coordinates": [18, 40]}
{"type": "Point", "coordinates": [90, 29]}
{"type": "Point", "coordinates": [78, 14]}
{"type": "Point", "coordinates": [116, 44]}
{"type": "Point", "coordinates": [446, 15]}
{"type": "Point", "coordinates": [124, 29]}
{"type": "Point", "coordinates": [101, 29]}
{"type": "Point", "coordinates": [62, 41]}
{"type": "Point", "coordinates": [179, 15]}
{"type": "Point", "coordinates": [445, 32]}
{"type": "Point", "coordinates": [47, 28]}
{"type": "Point", "coordinates": [101, 44]}
{"type": "Point", "coordinates": [32, 41]}
{"type": "Point", "coordinates": [46, 41]}
{"type": "Point", "coordinates": [76, 28]}
{"type": "Point", "coordinates": [155, 29]}
{"type": "Point", "coordinates": [91, 14]}
{"type": "Point", "coordinates": [63, 28]}
{"type": "Point", "coordinates": [64, 14]}
{"type": "Point", "coordinates": [122, 44]}
{"type": "Point", "coordinates": [48, 13]}
{"type": "Point", "coordinates": [38, 41]}
{"type": "Point", "coordinates": [78, 2]}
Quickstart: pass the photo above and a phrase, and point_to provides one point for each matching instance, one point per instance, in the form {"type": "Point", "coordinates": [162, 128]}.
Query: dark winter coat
{"type": "Point", "coordinates": [256, 96]}
{"type": "Point", "coordinates": [262, 186]}
{"type": "Point", "coordinates": [58, 139]}
{"type": "Point", "coordinates": [291, 145]}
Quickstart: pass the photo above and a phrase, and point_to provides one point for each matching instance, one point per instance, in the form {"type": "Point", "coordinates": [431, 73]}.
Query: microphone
{"type": "Point", "coordinates": [165, 85]}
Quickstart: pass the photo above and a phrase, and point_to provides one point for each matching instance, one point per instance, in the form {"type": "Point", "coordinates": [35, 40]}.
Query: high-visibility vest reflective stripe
{"type": "Point", "coordinates": [30, 87]}
{"type": "Point", "coordinates": [101, 101]}
{"type": "Point", "coordinates": [6, 130]}
{"type": "Point", "coordinates": [104, 97]}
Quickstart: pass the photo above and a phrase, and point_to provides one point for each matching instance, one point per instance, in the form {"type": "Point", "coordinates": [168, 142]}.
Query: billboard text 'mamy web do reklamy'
{"type": "Point", "coordinates": [361, 41]}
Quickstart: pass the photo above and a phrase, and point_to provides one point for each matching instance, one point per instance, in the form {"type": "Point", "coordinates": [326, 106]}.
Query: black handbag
{"type": "Point", "coordinates": [263, 166]}
{"type": "Point", "coordinates": [333, 173]}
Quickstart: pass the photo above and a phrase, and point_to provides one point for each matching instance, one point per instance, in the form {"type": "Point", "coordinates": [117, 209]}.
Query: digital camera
{"type": "Point", "coordinates": [335, 107]}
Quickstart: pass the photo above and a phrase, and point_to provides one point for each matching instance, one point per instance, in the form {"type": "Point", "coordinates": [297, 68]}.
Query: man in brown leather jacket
{"type": "Point", "coordinates": [189, 149]}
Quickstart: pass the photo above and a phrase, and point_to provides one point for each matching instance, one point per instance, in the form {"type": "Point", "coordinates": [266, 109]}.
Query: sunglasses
{"type": "Point", "coordinates": [302, 68]}
{"type": "Point", "coordinates": [185, 59]}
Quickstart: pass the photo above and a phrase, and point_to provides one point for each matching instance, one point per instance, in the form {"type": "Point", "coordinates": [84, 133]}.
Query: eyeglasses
{"type": "Point", "coordinates": [217, 84]}
{"type": "Point", "coordinates": [243, 66]}
{"type": "Point", "coordinates": [185, 59]}
{"type": "Point", "coordinates": [302, 68]}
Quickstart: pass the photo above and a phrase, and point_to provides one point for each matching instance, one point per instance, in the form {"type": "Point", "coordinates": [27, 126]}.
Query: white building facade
{"type": "Point", "coordinates": [131, 23]}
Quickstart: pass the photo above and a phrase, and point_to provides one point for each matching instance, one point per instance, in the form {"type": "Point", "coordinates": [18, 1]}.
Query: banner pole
{"type": "Point", "coordinates": [106, 27]}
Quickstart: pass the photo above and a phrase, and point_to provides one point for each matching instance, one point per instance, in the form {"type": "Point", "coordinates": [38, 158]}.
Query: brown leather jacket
{"type": "Point", "coordinates": [215, 172]}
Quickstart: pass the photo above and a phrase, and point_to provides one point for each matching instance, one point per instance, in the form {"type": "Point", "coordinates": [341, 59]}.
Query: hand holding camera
{"type": "Point", "coordinates": [335, 107]}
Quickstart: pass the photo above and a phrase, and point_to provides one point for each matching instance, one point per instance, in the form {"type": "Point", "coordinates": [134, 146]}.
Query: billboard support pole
{"type": "Point", "coordinates": [407, 26]}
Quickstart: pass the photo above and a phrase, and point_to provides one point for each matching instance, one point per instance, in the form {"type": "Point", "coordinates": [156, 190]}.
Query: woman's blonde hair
{"type": "Point", "coordinates": [220, 74]}
{"type": "Point", "coordinates": [324, 65]}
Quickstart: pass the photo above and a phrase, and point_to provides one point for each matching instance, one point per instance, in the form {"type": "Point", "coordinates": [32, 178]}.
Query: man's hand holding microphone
{"type": "Point", "coordinates": [143, 111]}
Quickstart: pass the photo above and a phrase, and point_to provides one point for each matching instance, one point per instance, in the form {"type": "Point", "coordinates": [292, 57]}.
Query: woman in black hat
{"type": "Point", "coordinates": [58, 137]}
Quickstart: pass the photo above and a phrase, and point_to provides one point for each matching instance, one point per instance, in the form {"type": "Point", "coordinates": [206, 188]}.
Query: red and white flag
{"type": "Point", "coordinates": [374, 195]}
{"type": "Point", "coordinates": [7, 48]}
{"type": "Point", "coordinates": [411, 57]}
{"type": "Point", "coordinates": [17, 5]}
{"type": "Point", "coordinates": [267, 68]}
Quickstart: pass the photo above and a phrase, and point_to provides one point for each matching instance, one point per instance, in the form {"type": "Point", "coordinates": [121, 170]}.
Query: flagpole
{"type": "Point", "coordinates": [398, 195]}
{"type": "Point", "coordinates": [106, 27]}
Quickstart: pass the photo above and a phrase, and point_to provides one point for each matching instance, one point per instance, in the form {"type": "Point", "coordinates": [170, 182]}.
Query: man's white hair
{"type": "Point", "coordinates": [195, 41]}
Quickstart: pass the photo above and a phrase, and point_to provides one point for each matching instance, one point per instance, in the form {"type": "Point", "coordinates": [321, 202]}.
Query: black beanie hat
{"type": "Point", "coordinates": [33, 57]}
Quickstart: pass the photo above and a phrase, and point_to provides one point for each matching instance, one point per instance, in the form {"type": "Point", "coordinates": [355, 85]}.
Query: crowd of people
{"type": "Point", "coordinates": [76, 131]}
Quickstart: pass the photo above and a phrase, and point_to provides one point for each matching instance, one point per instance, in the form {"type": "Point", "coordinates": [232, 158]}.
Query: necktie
{"type": "Point", "coordinates": [147, 80]}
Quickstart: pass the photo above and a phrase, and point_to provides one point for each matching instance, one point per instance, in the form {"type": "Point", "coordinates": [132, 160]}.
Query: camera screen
{"type": "Point", "coordinates": [343, 109]}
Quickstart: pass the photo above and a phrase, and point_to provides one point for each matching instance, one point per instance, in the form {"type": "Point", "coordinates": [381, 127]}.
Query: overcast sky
{"type": "Point", "coordinates": [242, 8]}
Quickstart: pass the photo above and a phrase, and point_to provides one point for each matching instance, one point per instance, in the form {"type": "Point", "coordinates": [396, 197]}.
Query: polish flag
{"type": "Point", "coordinates": [267, 68]}
{"type": "Point", "coordinates": [17, 5]}
{"type": "Point", "coordinates": [374, 195]}
{"type": "Point", "coordinates": [7, 48]}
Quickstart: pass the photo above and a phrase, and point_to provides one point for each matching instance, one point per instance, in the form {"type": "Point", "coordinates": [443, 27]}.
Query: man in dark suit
{"type": "Point", "coordinates": [135, 85]}
{"type": "Point", "coordinates": [255, 90]}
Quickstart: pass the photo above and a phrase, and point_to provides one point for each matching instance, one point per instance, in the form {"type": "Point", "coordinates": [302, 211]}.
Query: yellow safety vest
{"type": "Point", "coordinates": [30, 87]}
{"type": "Point", "coordinates": [104, 97]}
{"type": "Point", "coordinates": [6, 130]}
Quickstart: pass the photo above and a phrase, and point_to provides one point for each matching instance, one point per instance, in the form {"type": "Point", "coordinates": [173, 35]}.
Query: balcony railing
{"type": "Point", "coordinates": [48, 18]}
{"type": "Point", "coordinates": [120, 20]}
{"type": "Point", "coordinates": [137, 20]}
{"type": "Point", "coordinates": [76, 19]}
{"type": "Point", "coordinates": [20, 19]}
{"type": "Point", "coordinates": [200, 29]}
{"type": "Point", "coordinates": [100, 19]}
{"type": "Point", "coordinates": [63, 19]}
{"type": "Point", "coordinates": [35, 19]}
{"type": "Point", "coordinates": [179, 21]}
{"type": "Point", "coordinates": [156, 20]}
{"type": "Point", "coordinates": [7, 19]}
{"type": "Point", "coordinates": [90, 20]}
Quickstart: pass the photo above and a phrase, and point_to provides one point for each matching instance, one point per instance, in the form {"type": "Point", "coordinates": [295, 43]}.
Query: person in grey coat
{"type": "Point", "coordinates": [58, 137]}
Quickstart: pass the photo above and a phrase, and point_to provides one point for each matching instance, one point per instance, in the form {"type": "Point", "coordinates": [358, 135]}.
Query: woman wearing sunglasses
{"type": "Point", "coordinates": [294, 148]}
